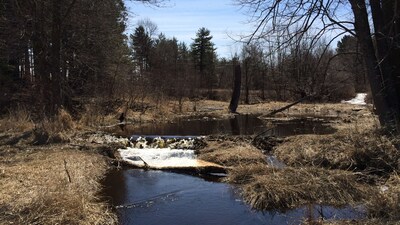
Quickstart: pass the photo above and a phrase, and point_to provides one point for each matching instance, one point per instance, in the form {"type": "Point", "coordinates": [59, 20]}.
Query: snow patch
{"type": "Point", "coordinates": [358, 100]}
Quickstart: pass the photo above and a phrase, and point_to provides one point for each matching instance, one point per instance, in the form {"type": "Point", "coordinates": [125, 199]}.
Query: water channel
{"type": "Point", "coordinates": [158, 197]}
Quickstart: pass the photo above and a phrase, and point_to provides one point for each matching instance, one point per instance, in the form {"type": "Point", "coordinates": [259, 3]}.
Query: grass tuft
{"type": "Point", "coordinates": [386, 204]}
{"type": "Point", "coordinates": [268, 188]}
{"type": "Point", "coordinates": [17, 120]}
{"type": "Point", "coordinates": [229, 153]}
{"type": "Point", "coordinates": [366, 151]}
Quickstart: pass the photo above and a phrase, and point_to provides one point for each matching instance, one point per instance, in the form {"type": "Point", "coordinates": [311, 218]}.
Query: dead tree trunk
{"type": "Point", "coordinates": [236, 90]}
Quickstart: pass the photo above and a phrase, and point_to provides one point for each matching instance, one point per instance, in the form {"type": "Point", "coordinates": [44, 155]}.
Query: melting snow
{"type": "Point", "coordinates": [358, 100]}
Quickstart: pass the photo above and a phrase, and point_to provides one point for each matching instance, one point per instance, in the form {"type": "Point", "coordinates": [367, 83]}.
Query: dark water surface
{"type": "Point", "coordinates": [300, 126]}
{"type": "Point", "coordinates": [164, 198]}
{"type": "Point", "coordinates": [238, 125]}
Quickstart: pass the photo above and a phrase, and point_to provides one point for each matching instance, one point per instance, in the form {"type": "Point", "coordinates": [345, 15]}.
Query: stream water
{"type": "Point", "coordinates": [158, 197]}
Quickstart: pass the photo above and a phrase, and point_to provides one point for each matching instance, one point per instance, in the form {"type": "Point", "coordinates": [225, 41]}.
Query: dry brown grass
{"type": "Point", "coordinates": [54, 130]}
{"type": "Point", "coordinates": [91, 116]}
{"type": "Point", "coordinates": [35, 188]}
{"type": "Point", "coordinates": [60, 123]}
{"type": "Point", "coordinates": [350, 222]}
{"type": "Point", "coordinates": [231, 153]}
{"type": "Point", "coordinates": [268, 188]}
{"type": "Point", "coordinates": [349, 149]}
{"type": "Point", "coordinates": [386, 204]}
{"type": "Point", "coordinates": [17, 120]}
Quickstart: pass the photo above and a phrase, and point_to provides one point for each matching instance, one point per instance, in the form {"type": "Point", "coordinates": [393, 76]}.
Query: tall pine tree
{"type": "Point", "coordinates": [141, 45]}
{"type": "Point", "coordinates": [204, 57]}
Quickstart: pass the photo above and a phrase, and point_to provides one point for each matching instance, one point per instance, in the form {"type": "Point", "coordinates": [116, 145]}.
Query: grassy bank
{"type": "Point", "coordinates": [351, 174]}
{"type": "Point", "coordinates": [52, 185]}
{"type": "Point", "coordinates": [356, 166]}
{"type": "Point", "coordinates": [46, 176]}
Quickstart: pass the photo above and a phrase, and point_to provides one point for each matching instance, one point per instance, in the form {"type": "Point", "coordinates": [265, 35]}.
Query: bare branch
{"type": "Point", "coordinates": [295, 18]}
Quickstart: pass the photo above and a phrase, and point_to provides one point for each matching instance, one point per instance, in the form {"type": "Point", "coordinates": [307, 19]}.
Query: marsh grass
{"type": "Point", "coordinates": [350, 167]}
{"type": "Point", "coordinates": [16, 120]}
{"type": "Point", "coordinates": [367, 151]}
{"type": "Point", "coordinates": [267, 188]}
{"type": "Point", "coordinates": [37, 189]}
{"type": "Point", "coordinates": [35, 163]}
{"type": "Point", "coordinates": [92, 115]}
{"type": "Point", "coordinates": [54, 130]}
{"type": "Point", "coordinates": [229, 153]}
{"type": "Point", "coordinates": [348, 222]}
{"type": "Point", "coordinates": [386, 204]}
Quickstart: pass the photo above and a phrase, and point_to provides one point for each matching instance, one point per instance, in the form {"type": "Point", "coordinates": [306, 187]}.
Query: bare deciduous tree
{"type": "Point", "coordinates": [292, 18]}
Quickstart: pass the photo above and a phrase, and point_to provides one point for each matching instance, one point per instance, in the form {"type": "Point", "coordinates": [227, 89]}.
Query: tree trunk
{"type": "Point", "coordinates": [263, 85]}
{"type": "Point", "coordinates": [39, 45]}
{"type": "Point", "coordinates": [55, 57]}
{"type": "Point", "coordinates": [246, 75]}
{"type": "Point", "coordinates": [236, 90]}
{"type": "Point", "coordinates": [381, 84]}
{"type": "Point", "coordinates": [27, 64]}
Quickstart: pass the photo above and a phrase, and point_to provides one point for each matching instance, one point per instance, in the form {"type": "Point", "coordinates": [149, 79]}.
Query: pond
{"type": "Point", "coordinates": [155, 197]}
{"type": "Point", "coordinates": [237, 125]}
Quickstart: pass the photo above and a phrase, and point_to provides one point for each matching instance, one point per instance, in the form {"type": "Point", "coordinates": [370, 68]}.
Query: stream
{"type": "Point", "coordinates": [156, 197]}
{"type": "Point", "coordinates": [168, 198]}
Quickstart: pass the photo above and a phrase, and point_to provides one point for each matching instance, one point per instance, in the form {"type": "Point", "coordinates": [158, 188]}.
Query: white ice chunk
{"type": "Point", "coordinates": [159, 157]}
{"type": "Point", "coordinates": [358, 100]}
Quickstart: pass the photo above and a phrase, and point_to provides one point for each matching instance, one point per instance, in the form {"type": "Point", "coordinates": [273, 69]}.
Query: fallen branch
{"type": "Point", "coordinates": [286, 107]}
{"type": "Point", "coordinates": [66, 171]}
{"type": "Point", "coordinates": [277, 111]}
{"type": "Point", "coordinates": [117, 124]}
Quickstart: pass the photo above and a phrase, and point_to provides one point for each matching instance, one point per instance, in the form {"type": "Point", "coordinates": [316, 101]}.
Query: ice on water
{"type": "Point", "coordinates": [358, 100]}
{"type": "Point", "coordinates": [160, 157]}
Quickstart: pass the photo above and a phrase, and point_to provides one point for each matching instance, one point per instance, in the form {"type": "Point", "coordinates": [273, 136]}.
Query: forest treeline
{"type": "Point", "coordinates": [54, 51]}
{"type": "Point", "coordinates": [63, 53]}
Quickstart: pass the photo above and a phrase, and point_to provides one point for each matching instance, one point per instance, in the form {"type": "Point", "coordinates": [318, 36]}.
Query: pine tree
{"type": "Point", "coordinates": [65, 48]}
{"type": "Point", "coordinates": [141, 45]}
{"type": "Point", "coordinates": [203, 55]}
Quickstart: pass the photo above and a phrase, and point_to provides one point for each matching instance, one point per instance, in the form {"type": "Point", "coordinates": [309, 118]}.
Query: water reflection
{"type": "Point", "coordinates": [155, 197]}
{"type": "Point", "coordinates": [299, 126]}
{"type": "Point", "coordinates": [237, 125]}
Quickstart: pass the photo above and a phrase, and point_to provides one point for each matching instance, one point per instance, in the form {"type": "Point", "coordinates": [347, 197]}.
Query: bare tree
{"type": "Point", "coordinates": [292, 18]}
{"type": "Point", "coordinates": [149, 26]}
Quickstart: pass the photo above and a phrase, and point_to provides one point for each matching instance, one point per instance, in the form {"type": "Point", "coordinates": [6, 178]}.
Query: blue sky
{"type": "Point", "coordinates": [182, 19]}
